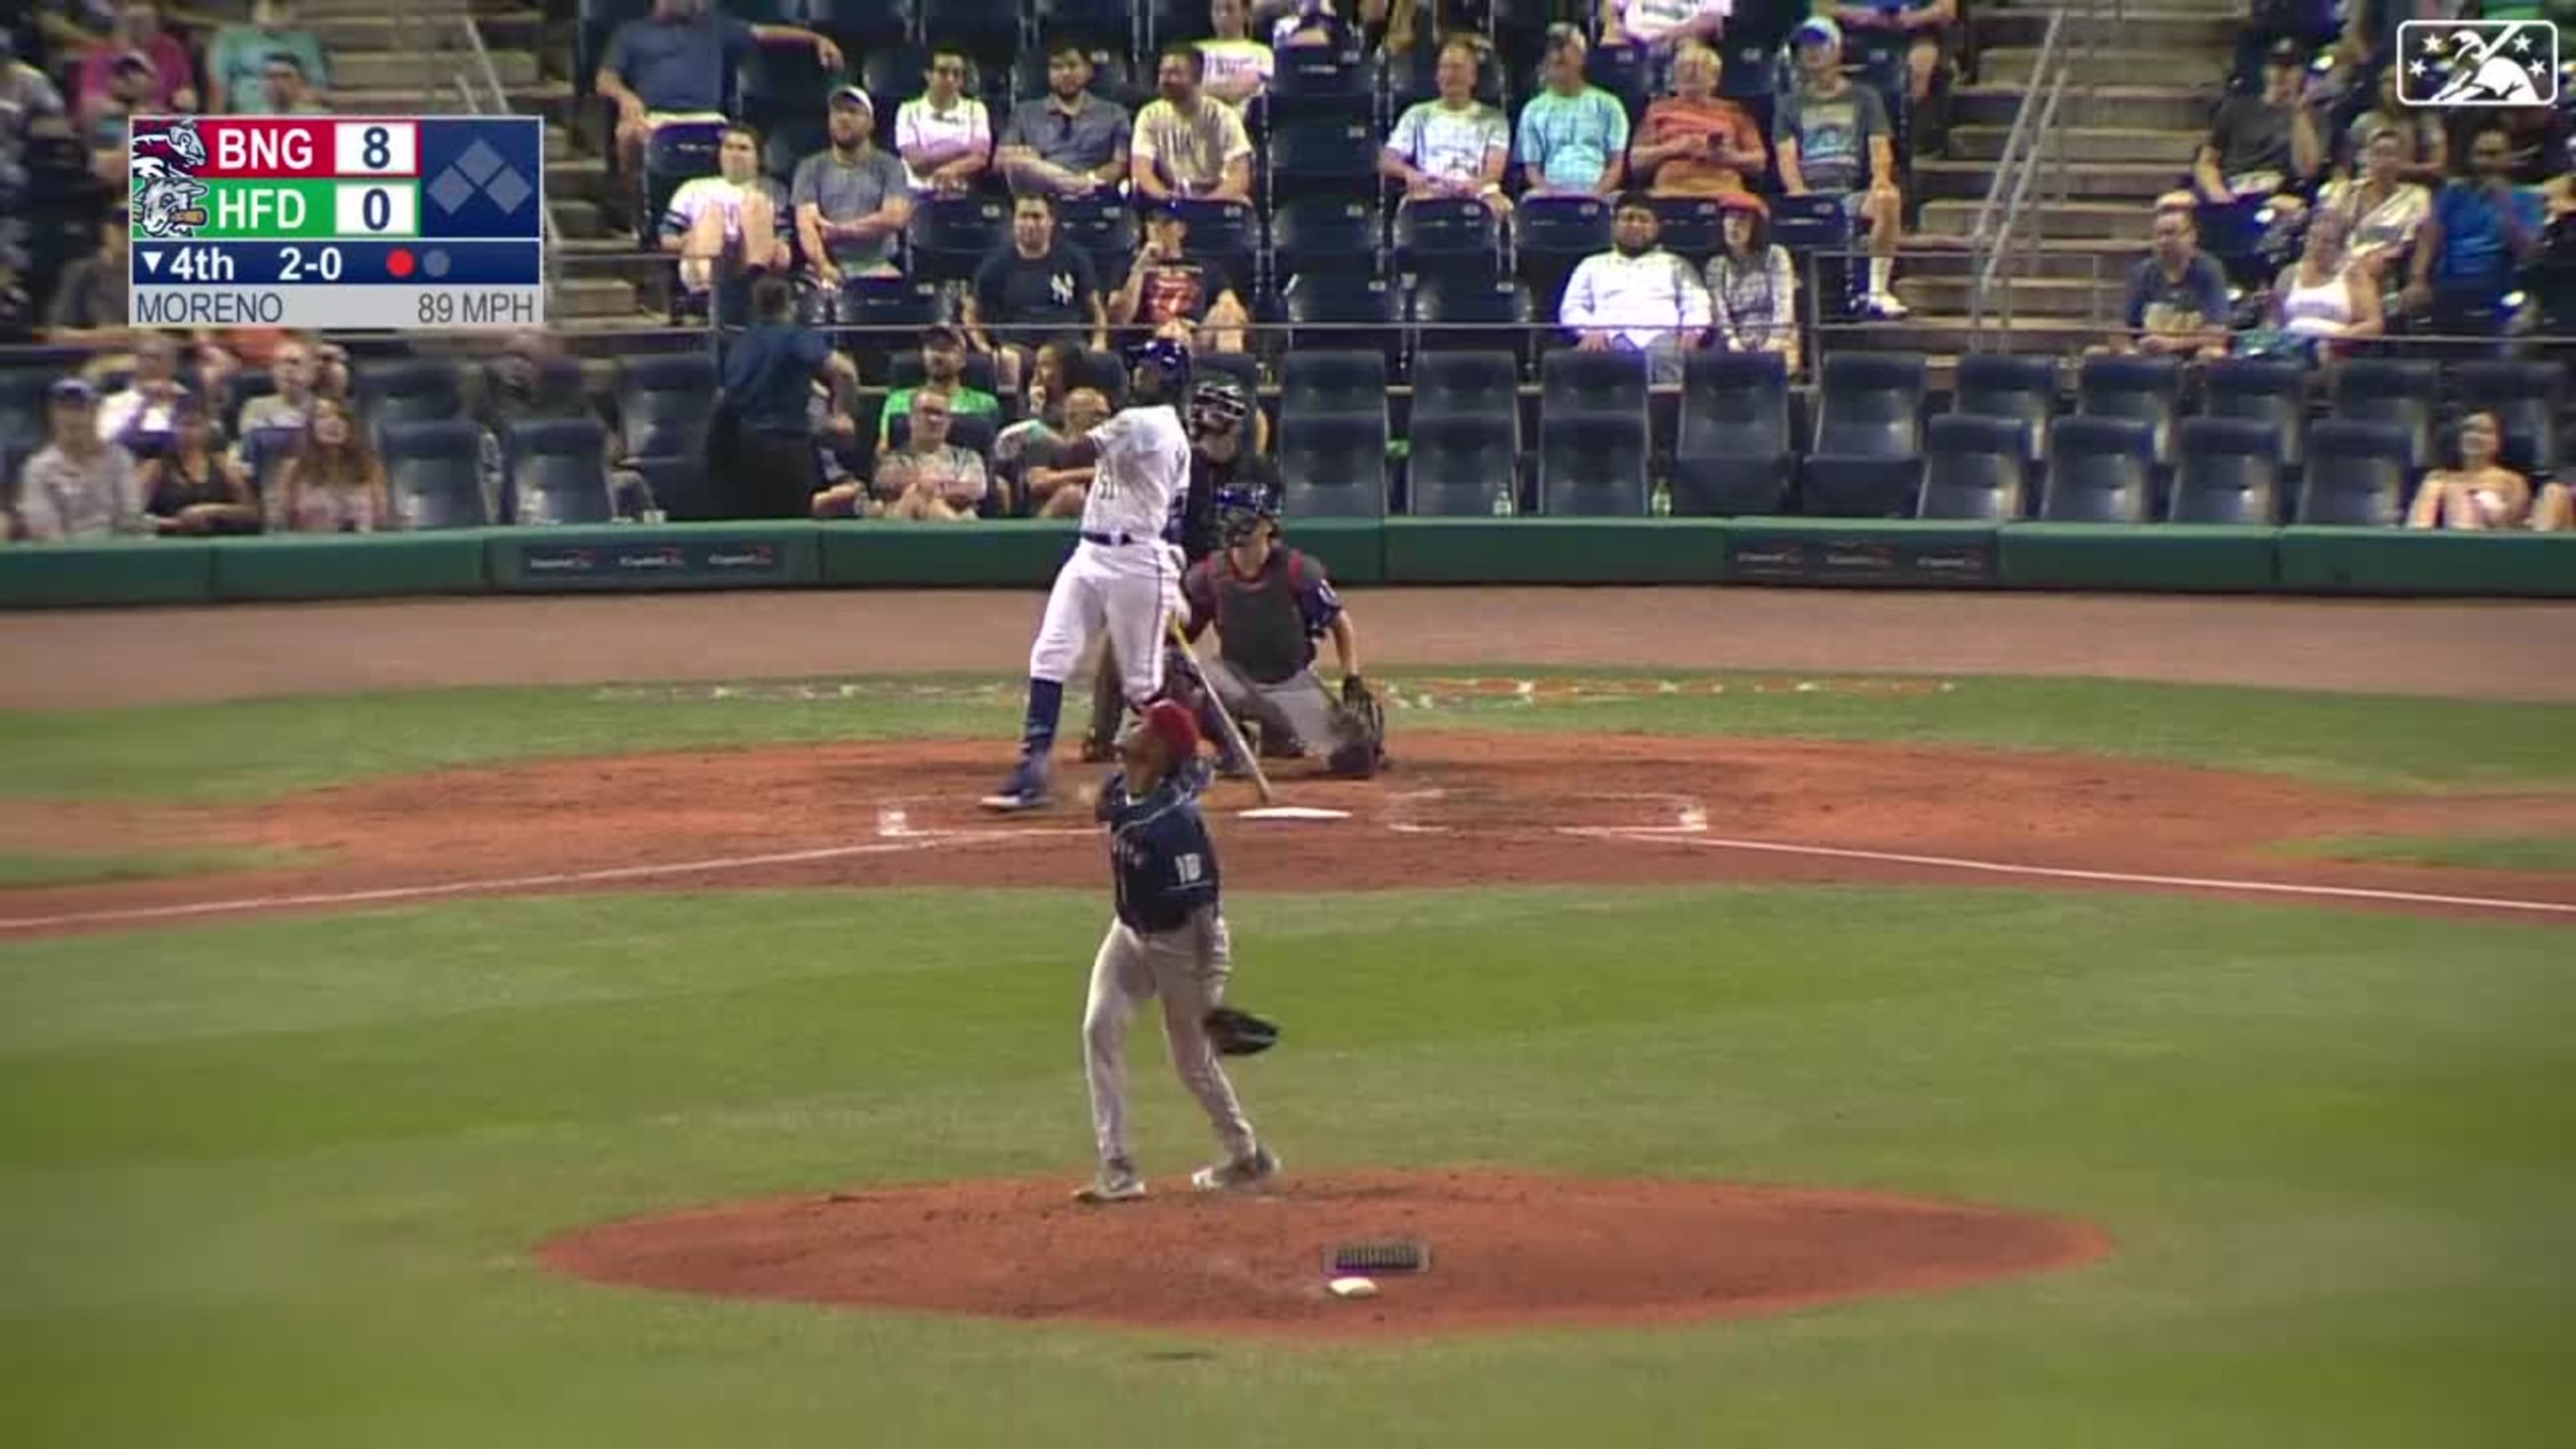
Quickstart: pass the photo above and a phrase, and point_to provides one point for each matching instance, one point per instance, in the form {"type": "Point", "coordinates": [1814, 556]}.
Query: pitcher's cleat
{"type": "Point", "coordinates": [1242, 1172]}
{"type": "Point", "coordinates": [1117, 1182]}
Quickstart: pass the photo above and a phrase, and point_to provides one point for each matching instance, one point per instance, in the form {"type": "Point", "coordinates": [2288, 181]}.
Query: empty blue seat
{"type": "Point", "coordinates": [1458, 465]}
{"type": "Point", "coordinates": [2227, 470]}
{"type": "Point", "coordinates": [2265, 390]}
{"type": "Point", "coordinates": [1976, 468]}
{"type": "Point", "coordinates": [434, 474]}
{"type": "Point", "coordinates": [2144, 388]}
{"type": "Point", "coordinates": [558, 472]}
{"type": "Point", "coordinates": [2100, 470]}
{"type": "Point", "coordinates": [2357, 474]}
{"type": "Point", "coordinates": [2006, 385]}
{"type": "Point", "coordinates": [1867, 461]}
{"type": "Point", "coordinates": [2403, 394]}
{"type": "Point", "coordinates": [1731, 453]}
{"type": "Point", "coordinates": [1592, 465]}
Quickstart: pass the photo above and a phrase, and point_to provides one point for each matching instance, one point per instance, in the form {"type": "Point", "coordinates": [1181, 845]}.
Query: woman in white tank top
{"type": "Point", "coordinates": [2322, 298]}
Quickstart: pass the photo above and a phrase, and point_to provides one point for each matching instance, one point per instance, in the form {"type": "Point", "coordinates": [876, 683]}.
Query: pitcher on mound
{"type": "Point", "coordinates": [1125, 574]}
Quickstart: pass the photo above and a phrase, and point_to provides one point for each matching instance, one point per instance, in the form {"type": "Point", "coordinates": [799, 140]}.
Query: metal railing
{"type": "Point", "coordinates": [499, 97]}
{"type": "Point", "coordinates": [2034, 174]}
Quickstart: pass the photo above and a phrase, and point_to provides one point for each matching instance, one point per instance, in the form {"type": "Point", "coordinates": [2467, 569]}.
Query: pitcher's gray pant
{"type": "Point", "coordinates": [1187, 968]}
{"type": "Point", "coordinates": [1297, 708]}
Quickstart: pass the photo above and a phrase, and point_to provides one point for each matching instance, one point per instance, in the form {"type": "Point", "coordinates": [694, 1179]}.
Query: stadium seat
{"type": "Point", "coordinates": [2100, 470]}
{"type": "Point", "coordinates": [1620, 70]}
{"type": "Point", "coordinates": [434, 474]}
{"type": "Point", "coordinates": [776, 83]}
{"type": "Point", "coordinates": [889, 313]}
{"type": "Point", "coordinates": [1732, 455]}
{"type": "Point", "coordinates": [1448, 239]}
{"type": "Point", "coordinates": [1976, 468]}
{"type": "Point", "coordinates": [2005, 385]}
{"type": "Point", "coordinates": [265, 451]}
{"type": "Point", "coordinates": [1553, 235]}
{"type": "Point", "coordinates": [2270, 391]}
{"type": "Point", "coordinates": [988, 30]}
{"type": "Point", "coordinates": [1592, 465]}
{"type": "Point", "coordinates": [1319, 234]}
{"type": "Point", "coordinates": [1332, 156]}
{"type": "Point", "coordinates": [891, 75]}
{"type": "Point", "coordinates": [1867, 460]}
{"type": "Point", "coordinates": [664, 403]}
{"type": "Point", "coordinates": [1176, 20]}
{"type": "Point", "coordinates": [557, 472]}
{"type": "Point", "coordinates": [1574, 383]}
{"type": "Point", "coordinates": [239, 389]}
{"type": "Point", "coordinates": [408, 392]}
{"type": "Point", "coordinates": [1105, 371]}
{"type": "Point", "coordinates": [22, 405]}
{"type": "Point", "coordinates": [1226, 235]}
{"type": "Point", "coordinates": [1101, 228]}
{"type": "Point", "coordinates": [1483, 384]}
{"type": "Point", "coordinates": [1820, 238]}
{"type": "Point", "coordinates": [1466, 312]}
{"type": "Point", "coordinates": [2227, 470]}
{"type": "Point", "coordinates": [1332, 380]}
{"type": "Point", "coordinates": [1334, 310]}
{"type": "Point", "coordinates": [2527, 399]}
{"type": "Point", "coordinates": [789, 143]}
{"type": "Point", "coordinates": [864, 27]}
{"type": "Point", "coordinates": [1459, 465]}
{"type": "Point", "coordinates": [677, 153]}
{"type": "Point", "coordinates": [2143, 388]}
{"type": "Point", "coordinates": [1323, 81]}
{"type": "Point", "coordinates": [1332, 464]}
{"type": "Point", "coordinates": [949, 237]}
{"type": "Point", "coordinates": [1108, 22]}
{"type": "Point", "coordinates": [1690, 226]}
{"type": "Point", "coordinates": [2403, 394]}
{"type": "Point", "coordinates": [2357, 474]}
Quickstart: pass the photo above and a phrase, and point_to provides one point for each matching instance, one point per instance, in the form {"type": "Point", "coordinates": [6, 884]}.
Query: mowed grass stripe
{"type": "Point", "coordinates": [256, 750]}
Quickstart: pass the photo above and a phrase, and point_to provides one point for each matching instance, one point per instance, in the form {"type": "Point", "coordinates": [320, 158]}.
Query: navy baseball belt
{"type": "Point", "coordinates": [1117, 540]}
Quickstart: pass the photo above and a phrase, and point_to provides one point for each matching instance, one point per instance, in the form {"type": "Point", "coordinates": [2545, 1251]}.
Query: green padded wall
{"type": "Point", "coordinates": [1352, 550]}
{"type": "Point", "coordinates": [626, 558]}
{"type": "Point", "coordinates": [2154, 558]}
{"type": "Point", "coordinates": [139, 571]}
{"type": "Point", "coordinates": [1555, 550]}
{"type": "Point", "coordinates": [1861, 552]}
{"type": "Point", "coordinates": [986, 554]}
{"type": "Point", "coordinates": [2403, 561]}
{"type": "Point", "coordinates": [348, 566]}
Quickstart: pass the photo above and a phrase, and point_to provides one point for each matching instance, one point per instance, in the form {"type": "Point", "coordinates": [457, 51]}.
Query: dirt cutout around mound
{"type": "Point", "coordinates": [1508, 1250]}
{"type": "Point", "coordinates": [1459, 809]}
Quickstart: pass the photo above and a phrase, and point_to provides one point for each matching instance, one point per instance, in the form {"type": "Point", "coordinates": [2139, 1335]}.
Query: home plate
{"type": "Point", "coordinates": [1293, 812]}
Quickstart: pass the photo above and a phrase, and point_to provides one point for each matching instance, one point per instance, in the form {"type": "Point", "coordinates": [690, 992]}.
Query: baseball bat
{"type": "Point", "coordinates": [1224, 717]}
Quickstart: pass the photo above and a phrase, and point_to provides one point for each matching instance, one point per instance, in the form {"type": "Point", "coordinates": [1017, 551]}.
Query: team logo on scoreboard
{"type": "Point", "coordinates": [168, 200]}
{"type": "Point", "coordinates": [2477, 63]}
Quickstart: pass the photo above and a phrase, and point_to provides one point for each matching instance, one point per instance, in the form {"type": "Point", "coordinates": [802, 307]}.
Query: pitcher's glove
{"type": "Point", "coordinates": [1238, 1033]}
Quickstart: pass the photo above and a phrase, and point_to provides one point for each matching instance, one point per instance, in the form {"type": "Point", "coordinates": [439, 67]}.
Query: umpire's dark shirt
{"type": "Point", "coordinates": [1199, 532]}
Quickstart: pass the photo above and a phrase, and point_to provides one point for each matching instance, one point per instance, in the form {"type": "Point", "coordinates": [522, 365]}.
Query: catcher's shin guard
{"type": "Point", "coordinates": [1108, 709]}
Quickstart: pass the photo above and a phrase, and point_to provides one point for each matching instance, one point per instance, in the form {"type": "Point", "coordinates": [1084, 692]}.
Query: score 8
{"type": "Point", "coordinates": [375, 148]}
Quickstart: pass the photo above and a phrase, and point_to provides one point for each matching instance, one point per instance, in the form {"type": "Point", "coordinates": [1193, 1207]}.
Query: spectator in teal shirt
{"type": "Point", "coordinates": [237, 60]}
{"type": "Point", "coordinates": [1573, 135]}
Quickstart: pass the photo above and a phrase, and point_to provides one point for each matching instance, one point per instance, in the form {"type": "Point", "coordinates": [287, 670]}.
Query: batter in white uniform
{"type": "Point", "coordinates": [1125, 575]}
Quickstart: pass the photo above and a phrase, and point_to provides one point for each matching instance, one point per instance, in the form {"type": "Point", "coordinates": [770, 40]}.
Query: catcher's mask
{"type": "Point", "coordinates": [1239, 511]}
{"type": "Point", "coordinates": [1217, 408]}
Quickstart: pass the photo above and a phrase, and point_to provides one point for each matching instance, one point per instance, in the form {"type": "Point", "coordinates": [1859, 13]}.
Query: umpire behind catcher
{"type": "Point", "coordinates": [1269, 602]}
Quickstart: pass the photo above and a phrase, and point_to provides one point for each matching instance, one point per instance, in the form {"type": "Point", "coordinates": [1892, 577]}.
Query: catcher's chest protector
{"type": "Point", "coordinates": [1260, 629]}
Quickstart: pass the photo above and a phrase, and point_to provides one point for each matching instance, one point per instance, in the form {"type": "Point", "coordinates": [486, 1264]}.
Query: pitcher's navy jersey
{"type": "Point", "coordinates": [1160, 856]}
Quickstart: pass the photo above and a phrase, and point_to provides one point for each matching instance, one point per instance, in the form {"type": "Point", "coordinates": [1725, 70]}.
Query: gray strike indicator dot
{"type": "Point", "coordinates": [435, 263]}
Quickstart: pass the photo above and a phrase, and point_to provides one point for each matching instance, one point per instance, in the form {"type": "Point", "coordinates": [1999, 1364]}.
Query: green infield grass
{"type": "Point", "coordinates": [258, 749]}
{"type": "Point", "coordinates": [276, 1182]}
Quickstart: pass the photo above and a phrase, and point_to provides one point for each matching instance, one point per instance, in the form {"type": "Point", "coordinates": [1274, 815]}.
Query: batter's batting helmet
{"type": "Point", "coordinates": [1167, 360]}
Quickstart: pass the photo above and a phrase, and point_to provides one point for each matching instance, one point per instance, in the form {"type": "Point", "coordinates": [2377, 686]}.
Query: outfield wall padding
{"type": "Point", "coordinates": [2153, 558]}
{"type": "Point", "coordinates": [1555, 550]}
{"type": "Point", "coordinates": [2404, 561]}
{"type": "Point", "coordinates": [136, 571]}
{"type": "Point", "coordinates": [1861, 553]}
{"type": "Point", "coordinates": [625, 559]}
{"type": "Point", "coordinates": [349, 566]}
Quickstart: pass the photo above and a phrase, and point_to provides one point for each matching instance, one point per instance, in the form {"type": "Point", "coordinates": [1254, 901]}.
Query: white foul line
{"type": "Point", "coordinates": [492, 885]}
{"type": "Point", "coordinates": [2053, 872]}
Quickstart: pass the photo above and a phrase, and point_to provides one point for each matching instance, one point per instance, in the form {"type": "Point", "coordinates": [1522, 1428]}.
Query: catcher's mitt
{"type": "Point", "coordinates": [1362, 746]}
{"type": "Point", "coordinates": [1238, 1033]}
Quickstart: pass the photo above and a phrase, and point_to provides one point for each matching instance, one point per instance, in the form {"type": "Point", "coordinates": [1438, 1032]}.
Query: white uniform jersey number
{"type": "Point", "coordinates": [1144, 465]}
{"type": "Point", "coordinates": [1190, 868]}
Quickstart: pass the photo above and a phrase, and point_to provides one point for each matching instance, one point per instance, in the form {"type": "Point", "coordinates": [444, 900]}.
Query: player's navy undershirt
{"type": "Point", "coordinates": [1160, 856]}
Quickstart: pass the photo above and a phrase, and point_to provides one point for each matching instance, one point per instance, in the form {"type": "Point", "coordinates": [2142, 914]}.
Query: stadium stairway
{"type": "Point", "coordinates": [2147, 106]}
{"type": "Point", "coordinates": [404, 58]}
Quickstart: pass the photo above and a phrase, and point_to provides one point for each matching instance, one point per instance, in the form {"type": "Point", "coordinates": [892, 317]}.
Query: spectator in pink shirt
{"type": "Point", "coordinates": [139, 28]}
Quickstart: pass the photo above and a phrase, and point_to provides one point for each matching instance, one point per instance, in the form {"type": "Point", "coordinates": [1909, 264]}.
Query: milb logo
{"type": "Point", "coordinates": [2461, 63]}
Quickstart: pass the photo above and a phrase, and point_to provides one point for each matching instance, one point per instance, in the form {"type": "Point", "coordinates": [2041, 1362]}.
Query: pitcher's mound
{"type": "Point", "coordinates": [1508, 1250]}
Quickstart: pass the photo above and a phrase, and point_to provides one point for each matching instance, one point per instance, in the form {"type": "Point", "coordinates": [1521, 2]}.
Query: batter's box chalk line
{"type": "Point", "coordinates": [2294, 889]}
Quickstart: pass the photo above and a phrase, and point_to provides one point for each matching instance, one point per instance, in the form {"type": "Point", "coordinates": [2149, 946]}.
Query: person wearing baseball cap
{"type": "Point", "coordinates": [943, 372]}
{"type": "Point", "coordinates": [1752, 283]}
{"type": "Point", "coordinates": [1833, 139]}
{"type": "Point", "coordinates": [2266, 146]}
{"type": "Point", "coordinates": [79, 485]}
{"type": "Point", "coordinates": [851, 199]}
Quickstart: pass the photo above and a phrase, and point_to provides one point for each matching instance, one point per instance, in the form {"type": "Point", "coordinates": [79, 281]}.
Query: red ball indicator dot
{"type": "Point", "coordinates": [398, 262]}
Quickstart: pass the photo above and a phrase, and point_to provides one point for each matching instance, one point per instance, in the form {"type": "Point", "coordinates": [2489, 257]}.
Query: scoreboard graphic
{"type": "Point", "coordinates": [338, 223]}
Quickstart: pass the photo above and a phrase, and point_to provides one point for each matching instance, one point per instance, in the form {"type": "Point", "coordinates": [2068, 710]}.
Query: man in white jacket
{"type": "Point", "coordinates": [1637, 297]}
